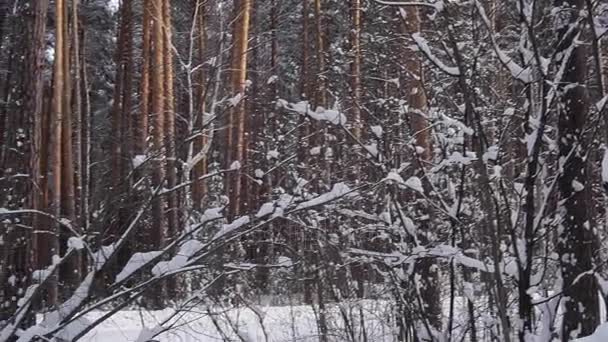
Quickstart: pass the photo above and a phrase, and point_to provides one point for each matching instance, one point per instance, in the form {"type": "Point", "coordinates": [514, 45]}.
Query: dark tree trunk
{"type": "Point", "coordinates": [577, 241]}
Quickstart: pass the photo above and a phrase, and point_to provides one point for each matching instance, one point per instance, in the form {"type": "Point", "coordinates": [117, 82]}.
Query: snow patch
{"type": "Point", "coordinates": [236, 99]}
{"type": "Point", "coordinates": [272, 79]}
{"type": "Point", "coordinates": [76, 243]}
{"type": "Point", "coordinates": [372, 149]}
{"type": "Point", "coordinates": [424, 47]}
{"type": "Point", "coordinates": [600, 335]}
{"type": "Point", "coordinates": [337, 191]}
{"type": "Point", "coordinates": [395, 177]}
{"type": "Point", "coordinates": [265, 209]}
{"type": "Point", "coordinates": [320, 114]}
{"type": "Point", "coordinates": [605, 167]}
{"type": "Point", "coordinates": [273, 154]}
{"type": "Point", "coordinates": [415, 184]}
{"type": "Point", "coordinates": [138, 160]}
{"type": "Point", "coordinates": [235, 165]}
{"type": "Point", "coordinates": [378, 131]}
{"type": "Point", "coordinates": [227, 228]}
{"type": "Point", "coordinates": [135, 263]}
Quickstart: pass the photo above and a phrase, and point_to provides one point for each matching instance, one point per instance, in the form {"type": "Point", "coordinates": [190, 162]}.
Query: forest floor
{"type": "Point", "coordinates": [271, 323]}
{"type": "Point", "coordinates": [367, 321]}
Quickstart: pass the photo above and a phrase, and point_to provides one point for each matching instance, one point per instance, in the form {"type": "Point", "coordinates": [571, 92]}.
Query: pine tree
{"type": "Point", "coordinates": [236, 122]}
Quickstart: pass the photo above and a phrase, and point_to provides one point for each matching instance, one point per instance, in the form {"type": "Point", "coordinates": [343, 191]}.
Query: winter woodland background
{"type": "Point", "coordinates": [290, 170]}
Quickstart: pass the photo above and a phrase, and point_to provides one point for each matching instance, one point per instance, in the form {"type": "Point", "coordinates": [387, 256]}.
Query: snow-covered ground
{"type": "Point", "coordinates": [269, 324]}
{"type": "Point", "coordinates": [288, 323]}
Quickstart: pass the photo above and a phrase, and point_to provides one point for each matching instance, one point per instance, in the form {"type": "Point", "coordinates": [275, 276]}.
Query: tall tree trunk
{"type": "Point", "coordinates": [157, 236]}
{"type": "Point", "coordinates": [34, 102]}
{"type": "Point", "coordinates": [305, 92]}
{"type": "Point", "coordinates": [85, 140]}
{"type": "Point", "coordinates": [127, 93]}
{"type": "Point", "coordinates": [236, 122]}
{"type": "Point", "coordinates": [70, 272]}
{"type": "Point", "coordinates": [200, 168]}
{"type": "Point", "coordinates": [173, 211]}
{"type": "Point", "coordinates": [117, 171]}
{"type": "Point", "coordinates": [304, 83]}
{"type": "Point", "coordinates": [420, 129]}
{"type": "Point", "coordinates": [172, 200]}
{"type": "Point", "coordinates": [47, 243]}
{"type": "Point", "coordinates": [122, 142]}
{"type": "Point", "coordinates": [320, 91]}
{"type": "Point", "coordinates": [77, 108]}
{"type": "Point", "coordinates": [141, 127]}
{"type": "Point", "coordinates": [356, 68]}
{"type": "Point", "coordinates": [577, 240]}
{"type": "Point", "coordinates": [16, 266]}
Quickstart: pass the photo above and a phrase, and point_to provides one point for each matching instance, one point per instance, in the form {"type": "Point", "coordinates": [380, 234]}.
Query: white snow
{"type": "Point", "coordinates": [457, 158]}
{"type": "Point", "coordinates": [320, 114]}
{"type": "Point", "coordinates": [333, 116]}
{"type": "Point", "coordinates": [490, 154]}
{"type": "Point", "coordinates": [378, 131]}
{"type": "Point", "coordinates": [236, 99]}
{"type": "Point", "coordinates": [138, 160]}
{"type": "Point", "coordinates": [415, 184]}
{"type": "Point", "coordinates": [272, 154]}
{"type": "Point", "coordinates": [212, 214]}
{"type": "Point", "coordinates": [601, 103]}
{"type": "Point", "coordinates": [272, 79]}
{"type": "Point", "coordinates": [49, 54]}
{"type": "Point", "coordinates": [135, 263]}
{"type": "Point", "coordinates": [235, 165]}
{"type": "Point", "coordinates": [605, 167]}
{"type": "Point", "coordinates": [76, 243]}
{"type": "Point", "coordinates": [523, 74]}
{"type": "Point", "coordinates": [284, 261]}
{"type": "Point", "coordinates": [227, 228]}
{"type": "Point", "coordinates": [186, 251]}
{"type": "Point", "coordinates": [395, 177]}
{"type": "Point", "coordinates": [265, 209]}
{"type": "Point", "coordinates": [577, 186]}
{"type": "Point", "coordinates": [39, 275]}
{"type": "Point", "coordinates": [450, 122]}
{"type": "Point", "coordinates": [113, 5]}
{"type": "Point", "coordinates": [600, 335]}
{"type": "Point", "coordinates": [258, 173]}
{"type": "Point", "coordinates": [372, 149]}
{"type": "Point", "coordinates": [337, 191]}
{"type": "Point", "coordinates": [101, 256]}
{"type": "Point", "coordinates": [530, 141]}
{"type": "Point", "coordinates": [424, 47]}
{"type": "Point", "coordinates": [315, 151]}
{"type": "Point", "coordinates": [280, 323]}
{"type": "Point", "coordinates": [410, 227]}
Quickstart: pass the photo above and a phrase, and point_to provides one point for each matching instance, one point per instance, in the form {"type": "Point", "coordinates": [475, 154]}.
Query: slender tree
{"type": "Point", "coordinates": [237, 117]}
{"type": "Point", "coordinates": [71, 271]}
{"type": "Point", "coordinates": [415, 93]}
{"type": "Point", "coordinates": [141, 126]}
{"type": "Point", "coordinates": [173, 210]}
{"type": "Point", "coordinates": [47, 242]}
{"type": "Point", "coordinates": [158, 113]}
{"type": "Point", "coordinates": [577, 238]}
{"type": "Point", "coordinates": [199, 187]}
{"type": "Point", "coordinates": [356, 68]}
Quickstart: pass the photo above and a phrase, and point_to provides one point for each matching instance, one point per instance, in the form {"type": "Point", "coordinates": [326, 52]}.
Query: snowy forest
{"type": "Point", "coordinates": [304, 170]}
